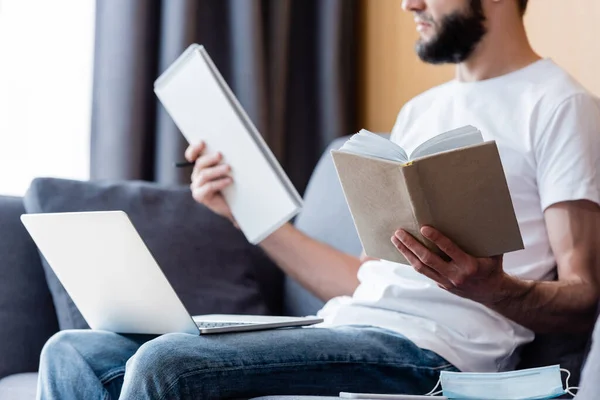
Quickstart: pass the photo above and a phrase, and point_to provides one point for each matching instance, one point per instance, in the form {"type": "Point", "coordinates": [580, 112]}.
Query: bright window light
{"type": "Point", "coordinates": [46, 60]}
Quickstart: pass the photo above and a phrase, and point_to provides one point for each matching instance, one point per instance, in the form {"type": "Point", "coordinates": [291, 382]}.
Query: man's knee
{"type": "Point", "coordinates": [98, 347]}
{"type": "Point", "coordinates": [58, 346]}
{"type": "Point", "coordinates": [163, 354]}
{"type": "Point", "coordinates": [159, 364]}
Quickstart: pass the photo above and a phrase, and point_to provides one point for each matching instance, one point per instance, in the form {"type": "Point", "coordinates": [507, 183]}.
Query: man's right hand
{"type": "Point", "coordinates": [209, 177]}
{"type": "Point", "coordinates": [325, 271]}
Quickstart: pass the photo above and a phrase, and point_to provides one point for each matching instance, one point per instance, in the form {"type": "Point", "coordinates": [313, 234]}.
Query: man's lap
{"type": "Point", "coordinates": [287, 361]}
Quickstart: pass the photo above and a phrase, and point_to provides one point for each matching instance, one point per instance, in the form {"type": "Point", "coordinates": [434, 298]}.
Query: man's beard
{"type": "Point", "coordinates": [458, 35]}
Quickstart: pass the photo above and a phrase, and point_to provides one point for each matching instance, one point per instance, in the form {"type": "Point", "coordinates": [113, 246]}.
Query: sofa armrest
{"type": "Point", "coordinates": [27, 315]}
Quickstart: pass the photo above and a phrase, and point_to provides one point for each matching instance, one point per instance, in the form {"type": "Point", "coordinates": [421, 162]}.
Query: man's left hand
{"type": "Point", "coordinates": [480, 279]}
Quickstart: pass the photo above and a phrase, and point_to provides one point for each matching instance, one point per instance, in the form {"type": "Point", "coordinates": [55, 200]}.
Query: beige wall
{"type": "Point", "coordinates": [392, 74]}
{"type": "Point", "coordinates": [569, 32]}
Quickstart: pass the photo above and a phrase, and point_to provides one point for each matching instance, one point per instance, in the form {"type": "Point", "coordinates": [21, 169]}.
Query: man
{"type": "Point", "coordinates": [391, 327]}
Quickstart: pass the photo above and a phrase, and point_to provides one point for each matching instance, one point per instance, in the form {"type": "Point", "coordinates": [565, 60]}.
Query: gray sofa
{"type": "Point", "coordinates": [325, 217]}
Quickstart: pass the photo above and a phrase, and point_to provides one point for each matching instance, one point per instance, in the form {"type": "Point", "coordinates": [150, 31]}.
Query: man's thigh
{"type": "Point", "coordinates": [84, 361]}
{"type": "Point", "coordinates": [311, 361]}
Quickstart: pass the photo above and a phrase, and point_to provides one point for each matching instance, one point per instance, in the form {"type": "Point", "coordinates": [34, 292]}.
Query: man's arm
{"type": "Point", "coordinates": [565, 305]}
{"type": "Point", "coordinates": [321, 269]}
{"type": "Point", "coordinates": [569, 303]}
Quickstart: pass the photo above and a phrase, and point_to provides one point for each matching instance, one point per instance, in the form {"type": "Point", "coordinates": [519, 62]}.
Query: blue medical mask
{"type": "Point", "coordinates": [529, 384]}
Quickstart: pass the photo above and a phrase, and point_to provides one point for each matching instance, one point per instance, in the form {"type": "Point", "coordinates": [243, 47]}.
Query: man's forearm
{"type": "Point", "coordinates": [323, 270]}
{"type": "Point", "coordinates": [560, 306]}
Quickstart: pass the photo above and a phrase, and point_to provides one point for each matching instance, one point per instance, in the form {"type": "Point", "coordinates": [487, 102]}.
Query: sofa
{"type": "Point", "coordinates": [28, 310]}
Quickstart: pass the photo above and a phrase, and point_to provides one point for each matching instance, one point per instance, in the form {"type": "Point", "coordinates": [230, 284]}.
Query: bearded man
{"type": "Point", "coordinates": [392, 328]}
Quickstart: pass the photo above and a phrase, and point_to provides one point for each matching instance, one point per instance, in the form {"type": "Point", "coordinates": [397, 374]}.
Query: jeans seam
{"type": "Point", "coordinates": [213, 371]}
{"type": "Point", "coordinates": [110, 375]}
{"type": "Point", "coordinates": [107, 377]}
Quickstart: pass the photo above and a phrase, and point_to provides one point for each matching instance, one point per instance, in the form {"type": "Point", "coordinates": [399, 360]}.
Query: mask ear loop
{"type": "Point", "coordinates": [433, 391]}
{"type": "Point", "coordinates": [569, 388]}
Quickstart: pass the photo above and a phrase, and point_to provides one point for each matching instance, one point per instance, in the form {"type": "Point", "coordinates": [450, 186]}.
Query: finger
{"type": "Point", "coordinates": [445, 244]}
{"type": "Point", "coordinates": [425, 255]}
{"type": "Point", "coordinates": [194, 151]}
{"type": "Point", "coordinates": [210, 174]}
{"type": "Point", "coordinates": [204, 192]}
{"type": "Point", "coordinates": [450, 289]}
{"type": "Point", "coordinates": [206, 161]}
{"type": "Point", "coordinates": [419, 266]}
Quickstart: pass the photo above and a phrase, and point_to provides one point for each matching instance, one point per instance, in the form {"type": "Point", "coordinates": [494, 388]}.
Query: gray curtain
{"type": "Point", "coordinates": [290, 62]}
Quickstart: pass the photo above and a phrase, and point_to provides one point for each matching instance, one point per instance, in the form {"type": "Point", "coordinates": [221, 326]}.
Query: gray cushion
{"type": "Point", "coordinates": [208, 262]}
{"type": "Point", "coordinates": [19, 387]}
{"type": "Point", "coordinates": [27, 316]}
{"type": "Point", "coordinates": [325, 217]}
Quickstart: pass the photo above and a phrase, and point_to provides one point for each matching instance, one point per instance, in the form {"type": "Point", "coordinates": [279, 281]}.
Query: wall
{"type": "Point", "coordinates": [568, 31]}
{"type": "Point", "coordinates": [392, 74]}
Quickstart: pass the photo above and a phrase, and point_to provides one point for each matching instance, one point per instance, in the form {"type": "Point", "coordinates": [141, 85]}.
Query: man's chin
{"type": "Point", "coordinates": [421, 44]}
{"type": "Point", "coordinates": [427, 57]}
{"type": "Point", "coordinates": [425, 38]}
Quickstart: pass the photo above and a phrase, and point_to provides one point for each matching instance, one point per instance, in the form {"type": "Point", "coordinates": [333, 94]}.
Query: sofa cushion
{"type": "Point", "coordinates": [19, 387]}
{"type": "Point", "coordinates": [27, 316]}
{"type": "Point", "coordinates": [324, 217]}
{"type": "Point", "coordinates": [208, 262]}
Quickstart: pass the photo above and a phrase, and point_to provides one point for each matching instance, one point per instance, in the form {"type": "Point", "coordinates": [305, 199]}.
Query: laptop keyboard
{"type": "Point", "coordinates": [206, 324]}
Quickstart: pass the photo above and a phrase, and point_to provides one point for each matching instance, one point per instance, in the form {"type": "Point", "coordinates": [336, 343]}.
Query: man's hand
{"type": "Point", "coordinates": [480, 279]}
{"type": "Point", "coordinates": [566, 305]}
{"type": "Point", "coordinates": [208, 179]}
{"type": "Point", "coordinates": [323, 270]}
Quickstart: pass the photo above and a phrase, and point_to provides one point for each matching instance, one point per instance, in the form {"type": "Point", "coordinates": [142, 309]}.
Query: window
{"type": "Point", "coordinates": [46, 56]}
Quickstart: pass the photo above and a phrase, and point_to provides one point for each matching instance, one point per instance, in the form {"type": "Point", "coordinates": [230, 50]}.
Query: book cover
{"type": "Point", "coordinates": [461, 192]}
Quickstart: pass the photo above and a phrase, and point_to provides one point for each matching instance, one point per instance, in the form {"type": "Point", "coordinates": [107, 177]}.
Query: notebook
{"type": "Point", "coordinates": [454, 182]}
{"type": "Point", "coordinates": [203, 107]}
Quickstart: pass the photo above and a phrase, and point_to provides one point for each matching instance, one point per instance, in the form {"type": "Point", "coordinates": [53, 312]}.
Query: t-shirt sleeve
{"type": "Point", "coordinates": [567, 152]}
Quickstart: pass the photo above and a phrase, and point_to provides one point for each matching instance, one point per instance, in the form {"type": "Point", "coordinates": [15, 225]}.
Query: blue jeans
{"type": "Point", "coordinates": [97, 365]}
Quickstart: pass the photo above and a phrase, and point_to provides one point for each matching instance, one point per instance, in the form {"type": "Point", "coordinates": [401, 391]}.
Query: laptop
{"type": "Point", "coordinates": [116, 283]}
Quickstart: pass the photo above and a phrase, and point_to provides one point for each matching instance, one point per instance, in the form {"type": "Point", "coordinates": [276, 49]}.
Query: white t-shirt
{"type": "Point", "coordinates": [547, 128]}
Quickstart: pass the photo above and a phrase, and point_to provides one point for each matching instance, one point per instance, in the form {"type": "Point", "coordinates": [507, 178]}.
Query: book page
{"type": "Point", "coordinates": [371, 144]}
{"type": "Point", "coordinates": [454, 139]}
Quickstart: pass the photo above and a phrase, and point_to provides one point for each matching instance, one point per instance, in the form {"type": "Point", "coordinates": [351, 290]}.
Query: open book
{"type": "Point", "coordinates": [454, 182]}
{"type": "Point", "coordinates": [371, 144]}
